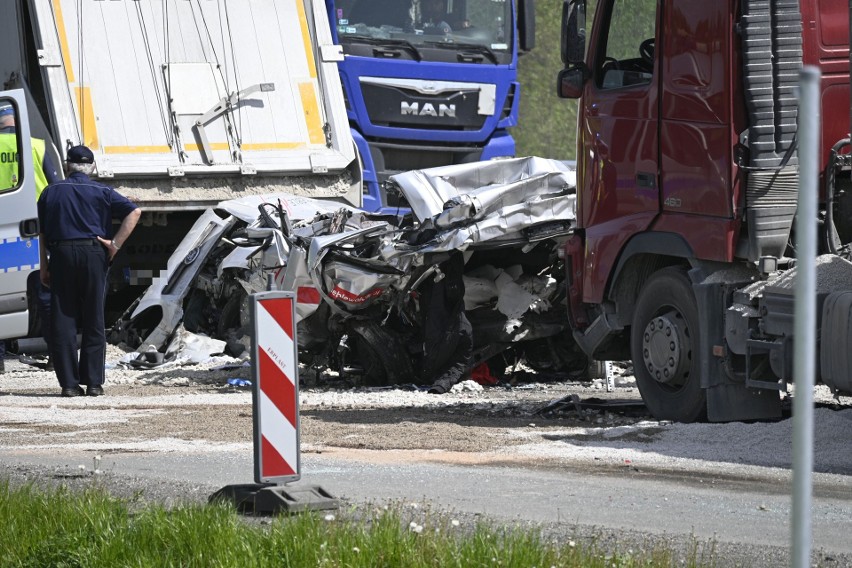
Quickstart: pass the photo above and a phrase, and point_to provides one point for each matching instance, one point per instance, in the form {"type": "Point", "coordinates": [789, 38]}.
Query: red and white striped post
{"type": "Point", "coordinates": [275, 371]}
{"type": "Point", "coordinates": [275, 404]}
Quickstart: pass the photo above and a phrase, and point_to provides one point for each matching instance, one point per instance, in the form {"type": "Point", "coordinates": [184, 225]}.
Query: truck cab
{"type": "Point", "coordinates": [687, 172]}
{"type": "Point", "coordinates": [19, 252]}
{"type": "Point", "coordinates": [429, 82]}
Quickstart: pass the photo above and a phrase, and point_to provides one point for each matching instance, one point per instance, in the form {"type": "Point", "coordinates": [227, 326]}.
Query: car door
{"type": "Point", "coordinates": [19, 252]}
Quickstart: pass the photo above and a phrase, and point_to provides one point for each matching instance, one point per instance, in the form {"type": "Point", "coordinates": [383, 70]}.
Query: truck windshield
{"type": "Point", "coordinates": [482, 26]}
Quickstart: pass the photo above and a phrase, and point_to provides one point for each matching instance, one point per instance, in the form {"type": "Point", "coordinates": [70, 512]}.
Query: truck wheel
{"type": "Point", "coordinates": [664, 346]}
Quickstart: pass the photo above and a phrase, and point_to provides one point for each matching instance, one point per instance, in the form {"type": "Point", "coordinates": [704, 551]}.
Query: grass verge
{"type": "Point", "coordinates": [58, 527]}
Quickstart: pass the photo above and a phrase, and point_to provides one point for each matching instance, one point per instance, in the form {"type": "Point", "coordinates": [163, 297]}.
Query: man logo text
{"type": "Point", "coordinates": [428, 109]}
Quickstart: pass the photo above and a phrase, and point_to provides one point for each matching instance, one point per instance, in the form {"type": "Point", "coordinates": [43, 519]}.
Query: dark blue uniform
{"type": "Point", "coordinates": [72, 213]}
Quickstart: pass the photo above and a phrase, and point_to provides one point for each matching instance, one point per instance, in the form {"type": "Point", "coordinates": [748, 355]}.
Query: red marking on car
{"type": "Point", "coordinates": [339, 293]}
{"type": "Point", "coordinates": [307, 295]}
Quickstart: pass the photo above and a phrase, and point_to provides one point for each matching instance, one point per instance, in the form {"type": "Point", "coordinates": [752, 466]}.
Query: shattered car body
{"type": "Point", "coordinates": [470, 275]}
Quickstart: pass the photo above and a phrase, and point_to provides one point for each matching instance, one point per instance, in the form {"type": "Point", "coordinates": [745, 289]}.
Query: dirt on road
{"type": "Point", "coordinates": [197, 404]}
{"type": "Point", "coordinates": [543, 423]}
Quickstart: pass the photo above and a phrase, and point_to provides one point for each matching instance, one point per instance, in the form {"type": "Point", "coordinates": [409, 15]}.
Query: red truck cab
{"type": "Point", "coordinates": [687, 183]}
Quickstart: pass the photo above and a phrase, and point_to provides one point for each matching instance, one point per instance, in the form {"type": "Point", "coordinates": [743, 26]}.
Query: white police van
{"type": "Point", "coordinates": [19, 252]}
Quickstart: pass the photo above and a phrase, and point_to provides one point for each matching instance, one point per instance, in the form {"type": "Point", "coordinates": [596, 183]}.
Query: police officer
{"type": "Point", "coordinates": [75, 217]}
{"type": "Point", "coordinates": [45, 173]}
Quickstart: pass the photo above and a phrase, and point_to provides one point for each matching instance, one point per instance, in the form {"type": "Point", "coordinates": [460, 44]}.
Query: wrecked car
{"type": "Point", "coordinates": [467, 278]}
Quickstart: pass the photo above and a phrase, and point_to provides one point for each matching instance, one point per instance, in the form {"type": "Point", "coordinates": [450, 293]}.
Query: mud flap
{"type": "Point", "coordinates": [731, 402]}
{"type": "Point", "coordinates": [727, 399]}
{"type": "Point", "coordinates": [834, 354]}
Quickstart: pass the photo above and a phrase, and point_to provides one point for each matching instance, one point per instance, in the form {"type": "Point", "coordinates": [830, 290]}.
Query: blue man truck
{"type": "Point", "coordinates": [429, 82]}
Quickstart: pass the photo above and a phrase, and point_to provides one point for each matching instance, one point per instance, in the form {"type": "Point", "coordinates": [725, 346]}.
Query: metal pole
{"type": "Point", "coordinates": [804, 351]}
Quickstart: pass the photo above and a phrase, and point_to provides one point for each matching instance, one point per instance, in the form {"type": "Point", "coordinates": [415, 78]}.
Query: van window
{"type": "Point", "coordinates": [10, 147]}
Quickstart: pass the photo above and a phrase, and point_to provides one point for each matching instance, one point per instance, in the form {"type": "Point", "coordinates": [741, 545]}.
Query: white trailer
{"type": "Point", "coordinates": [185, 103]}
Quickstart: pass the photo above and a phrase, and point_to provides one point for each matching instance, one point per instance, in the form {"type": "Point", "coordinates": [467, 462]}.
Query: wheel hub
{"type": "Point", "coordinates": [666, 348]}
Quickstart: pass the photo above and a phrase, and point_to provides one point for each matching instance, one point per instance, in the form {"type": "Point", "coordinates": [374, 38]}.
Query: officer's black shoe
{"type": "Point", "coordinates": [95, 391]}
{"type": "Point", "coordinates": [2, 365]}
{"type": "Point", "coordinates": [74, 391]}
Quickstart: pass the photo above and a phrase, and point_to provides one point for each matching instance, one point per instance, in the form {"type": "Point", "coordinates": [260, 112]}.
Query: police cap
{"type": "Point", "coordinates": [80, 155]}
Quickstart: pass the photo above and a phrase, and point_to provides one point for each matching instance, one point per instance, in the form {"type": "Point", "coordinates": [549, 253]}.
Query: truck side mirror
{"type": "Point", "coordinates": [526, 25]}
{"type": "Point", "coordinates": [573, 44]}
{"type": "Point", "coordinates": [570, 81]}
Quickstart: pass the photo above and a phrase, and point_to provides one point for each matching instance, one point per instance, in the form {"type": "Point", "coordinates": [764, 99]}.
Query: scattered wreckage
{"type": "Point", "coordinates": [469, 279]}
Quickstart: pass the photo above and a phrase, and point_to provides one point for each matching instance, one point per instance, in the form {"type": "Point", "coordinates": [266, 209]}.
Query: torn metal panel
{"type": "Point", "coordinates": [321, 244]}
{"type": "Point", "coordinates": [238, 258]}
{"type": "Point", "coordinates": [518, 294]}
{"type": "Point", "coordinates": [498, 202]}
{"type": "Point", "coordinates": [473, 188]}
{"type": "Point", "coordinates": [297, 207]}
{"type": "Point", "coordinates": [169, 289]}
{"type": "Point", "coordinates": [192, 348]}
{"type": "Point", "coordinates": [353, 286]}
{"type": "Point", "coordinates": [295, 277]}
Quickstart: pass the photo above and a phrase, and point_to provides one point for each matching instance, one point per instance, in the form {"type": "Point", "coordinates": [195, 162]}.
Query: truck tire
{"type": "Point", "coordinates": [664, 347]}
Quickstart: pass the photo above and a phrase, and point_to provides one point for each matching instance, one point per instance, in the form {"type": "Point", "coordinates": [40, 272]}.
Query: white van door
{"type": "Point", "coordinates": [19, 254]}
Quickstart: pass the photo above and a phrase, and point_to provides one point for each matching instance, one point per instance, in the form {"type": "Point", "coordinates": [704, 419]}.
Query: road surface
{"type": "Point", "coordinates": [506, 454]}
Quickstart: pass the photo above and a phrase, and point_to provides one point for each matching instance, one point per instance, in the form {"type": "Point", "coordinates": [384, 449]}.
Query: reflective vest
{"type": "Point", "coordinates": [9, 174]}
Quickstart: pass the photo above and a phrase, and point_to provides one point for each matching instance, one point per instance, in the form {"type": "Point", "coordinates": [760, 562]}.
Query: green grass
{"type": "Point", "coordinates": [62, 528]}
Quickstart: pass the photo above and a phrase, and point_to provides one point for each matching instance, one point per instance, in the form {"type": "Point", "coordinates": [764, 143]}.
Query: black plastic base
{"type": "Point", "coordinates": [259, 499]}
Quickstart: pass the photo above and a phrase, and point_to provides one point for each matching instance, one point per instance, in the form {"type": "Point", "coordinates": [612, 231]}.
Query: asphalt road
{"type": "Point", "coordinates": [182, 434]}
{"type": "Point", "coordinates": [748, 521]}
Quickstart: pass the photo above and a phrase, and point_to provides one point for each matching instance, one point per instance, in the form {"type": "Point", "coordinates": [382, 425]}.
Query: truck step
{"type": "Point", "coordinates": [759, 371]}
